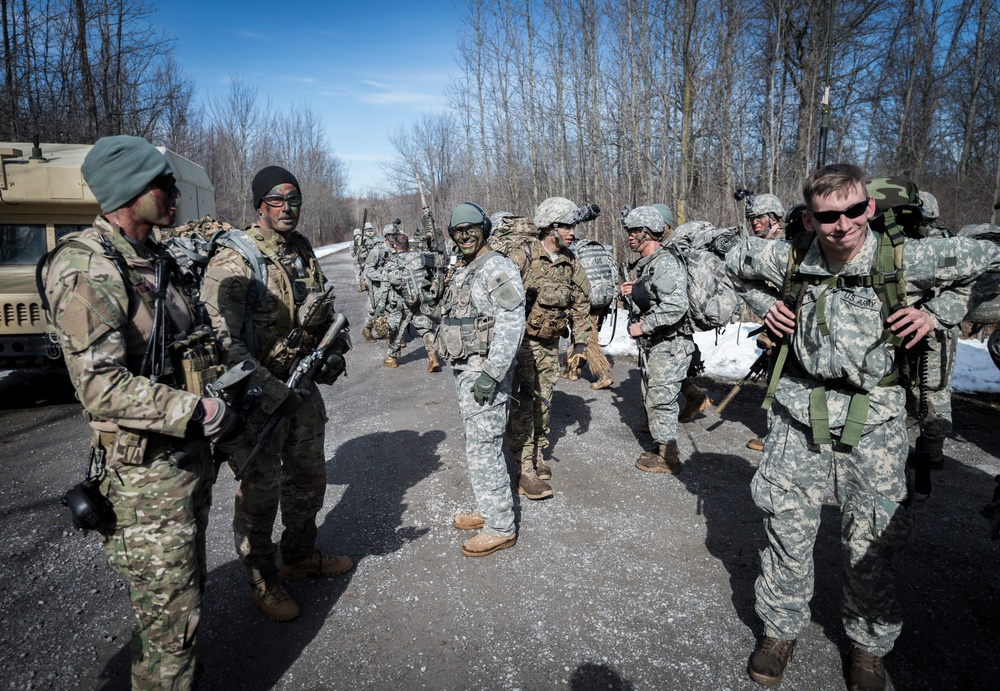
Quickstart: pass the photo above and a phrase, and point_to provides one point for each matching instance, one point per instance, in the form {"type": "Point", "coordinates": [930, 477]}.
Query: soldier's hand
{"type": "Point", "coordinates": [635, 330]}
{"type": "Point", "coordinates": [779, 319]}
{"type": "Point", "coordinates": [910, 321]}
{"type": "Point", "coordinates": [484, 391]}
{"type": "Point", "coordinates": [577, 357]}
{"type": "Point", "coordinates": [626, 288]}
{"type": "Point", "coordinates": [333, 366]}
{"type": "Point", "coordinates": [221, 425]}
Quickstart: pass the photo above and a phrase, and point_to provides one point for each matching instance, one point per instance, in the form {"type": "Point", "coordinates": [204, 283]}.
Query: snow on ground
{"type": "Point", "coordinates": [728, 355]}
{"type": "Point", "coordinates": [331, 249]}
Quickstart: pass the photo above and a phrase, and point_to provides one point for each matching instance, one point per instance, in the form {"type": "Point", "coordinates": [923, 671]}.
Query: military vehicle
{"type": "Point", "coordinates": [43, 197]}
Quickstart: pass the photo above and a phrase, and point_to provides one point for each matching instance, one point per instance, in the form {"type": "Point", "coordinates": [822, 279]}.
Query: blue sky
{"type": "Point", "coordinates": [365, 67]}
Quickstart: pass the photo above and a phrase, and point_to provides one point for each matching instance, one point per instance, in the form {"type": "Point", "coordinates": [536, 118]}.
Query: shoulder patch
{"type": "Point", "coordinates": [506, 290]}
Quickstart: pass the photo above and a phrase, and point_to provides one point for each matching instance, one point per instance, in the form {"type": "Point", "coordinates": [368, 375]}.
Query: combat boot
{"type": "Point", "coordinates": [390, 362]}
{"type": "Point", "coordinates": [318, 564]}
{"type": "Point", "coordinates": [756, 444]}
{"type": "Point", "coordinates": [468, 521]}
{"type": "Point", "coordinates": [769, 661]}
{"type": "Point", "coordinates": [531, 486]}
{"type": "Point", "coordinates": [602, 383]}
{"type": "Point", "coordinates": [432, 362]}
{"type": "Point", "coordinates": [696, 402]}
{"type": "Point", "coordinates": [366, 333]}
{"type": "Point", "coordinates": [573, 373]}
{"type": "Point", "coordinates": [542, 469]}
{"type": "Point", "coordinates": [867, 671]}
{"type": "Point", "coordinates": [273, 601]}
{"type": "Point", "coordinates": [483, 544]}
{"type": "Point", "coordinates": [360, 288]}
{"type": "Point", "coordinates": [665, 460]}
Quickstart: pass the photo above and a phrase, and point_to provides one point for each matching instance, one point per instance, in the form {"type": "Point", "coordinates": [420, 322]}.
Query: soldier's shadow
{"type": "Point", "coordinates": [570, 414]}
{"type": "Point", "coordinates": [626, 397]}
{"type": "Point", "coordinates": [366, 521]}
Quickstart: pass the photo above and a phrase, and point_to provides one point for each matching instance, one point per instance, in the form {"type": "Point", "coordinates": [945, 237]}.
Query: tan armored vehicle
{"type": "Point", "coordinates": [42, 198]}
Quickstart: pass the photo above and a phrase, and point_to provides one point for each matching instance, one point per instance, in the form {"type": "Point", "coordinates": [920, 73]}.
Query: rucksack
{"type": "Point", "coordinates": [511, 233]}
{"type": "Point", "coordinates": [986, 289]}
{"type": "Point", "coordinates": [192, 246]}
{"type": "Point", "coordinates": [416, 277]}
{"type": "Point", "coordinates": [698, 246]}
{"type": "Point", "coordinates": [599, 265]}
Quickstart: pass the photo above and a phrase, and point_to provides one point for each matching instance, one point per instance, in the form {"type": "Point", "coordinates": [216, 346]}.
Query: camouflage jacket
{"type": "Point", "coordinates": [665, 282]}
{"type": "Point", "coordinates": [103, 344]}
{"type": "Point", "coordinates": [293, 273]}
{"type": "Point", "coordinates": [375, 262]}
{"type": "Point", "coordinates": [488, 287]}
{"type": "Point", "coordinates": [562, 291]}
{"type": "Point", "coordinates": [852, 356]}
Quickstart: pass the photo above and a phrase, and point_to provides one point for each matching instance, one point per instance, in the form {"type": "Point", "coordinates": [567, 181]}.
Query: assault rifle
{"type": "Point", "coordinates": [757, 369]}
{"type": "Point", "coordinates": [430, 227]}
{"type": "Point", "coordinates": [304, 371]}
{"type": "Point", "coordinates": [633, 318]}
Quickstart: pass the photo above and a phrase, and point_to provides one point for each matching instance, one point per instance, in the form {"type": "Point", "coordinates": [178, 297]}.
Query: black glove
{"type": "Point", "coordinates": [484, 391]}
{"type": "Point", "coordinates": [296, 397]}
{"type": "Point", "coordinates": [333, 366]}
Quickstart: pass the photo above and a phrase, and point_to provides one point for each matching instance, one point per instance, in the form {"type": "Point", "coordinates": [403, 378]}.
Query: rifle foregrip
{"type": "Point", "coordinates": [729, 397]}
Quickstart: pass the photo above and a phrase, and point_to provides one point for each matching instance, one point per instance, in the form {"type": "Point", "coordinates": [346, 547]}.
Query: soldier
{"type": "Point", "coordinates": [837, 414]}
{"type": "Point", "coordinates": [481, 328]}
{"type": "Point", "coordinates": [558, 295]}
{"type": "Point", "coordinates": [695, 399]}
{"type": "Point", "coordinates": [357, 245]}
{"type": "Point", "coordinates": [375, 263]}
{"type": "Point", "coordinates": [290, 469]}
{"type": "Point", "coordinates": [658, 302]}
{"type": "Point", "coordinates": [104, 290]}
{"type": "Point", "coordinates": [406, 306]}
{"type": "Point", "coordinates": [764, 214]}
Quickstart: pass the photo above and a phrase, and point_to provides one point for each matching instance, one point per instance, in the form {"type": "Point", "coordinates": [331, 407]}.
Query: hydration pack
{"type": "Point", "coordinates": [599, 265]}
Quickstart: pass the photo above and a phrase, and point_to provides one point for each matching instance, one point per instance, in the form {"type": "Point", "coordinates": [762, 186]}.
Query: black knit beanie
{"type": "Point", "coordinates": [269, 178]}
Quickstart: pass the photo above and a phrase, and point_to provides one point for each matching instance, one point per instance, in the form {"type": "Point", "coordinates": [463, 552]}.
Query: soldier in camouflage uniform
{"type": "Point", "coordinates": [659, 300]}
{"type": "Point", "coordinates": [290, 469]}
{"type": "Point", "coordinates": [402, 313]}
{"type": "Point", "coordinates": [357, 247]}
{"type": "Point", "coordinates": [482, 322]}
{"type": "Point", "coordinates": [100, 289]}
{"type": "Point", "coordinates": [837, 413]}
{"type": "Point", "coordinates": [559, 297]}
{"type": "Point", "coordinates": [764, 213]}
{"type": "Point", "coordinates": [378, 285]}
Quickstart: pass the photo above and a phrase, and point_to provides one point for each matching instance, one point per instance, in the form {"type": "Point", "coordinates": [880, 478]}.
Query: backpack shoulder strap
{"type": "Point", "coordinates": [129, 278]}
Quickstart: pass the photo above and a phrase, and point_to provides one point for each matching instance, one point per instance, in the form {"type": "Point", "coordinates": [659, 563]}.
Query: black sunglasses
{"type": "Point", "coordinates": [853, 211]}
{"type": "Point", "coordinates": [164, 182]}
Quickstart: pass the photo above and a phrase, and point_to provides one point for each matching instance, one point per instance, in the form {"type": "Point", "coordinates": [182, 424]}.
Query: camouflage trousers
{"type": "Point", "coordinates": [399, 322]}
{"type": "Point", "coordinates": [666, 366]}
{"type": "Point", "coordinates": [158, 547]}
{"type": "Point", "coordinates": [378, 295]}
{"type": "Point", "coordinates": [359, 278]}
{"type": "Point", "coordinates": [940, 366]}
{"type": "Point", "coordinates": [869, 484]}
{"type": "Point", "coordinates": [290, 472]}
{"type": "Point", "coordinates": [484, 433]}
{"type": "Point", "coordinates": [537, 371]}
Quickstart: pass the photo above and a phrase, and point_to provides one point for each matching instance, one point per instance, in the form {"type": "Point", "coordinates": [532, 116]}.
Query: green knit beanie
{"type": "Point", "coordinates": [118, 169]}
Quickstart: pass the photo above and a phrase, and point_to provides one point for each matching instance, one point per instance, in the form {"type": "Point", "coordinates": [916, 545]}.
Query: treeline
{"type": "Point", "coordinates": [78, 70]}
{"type": "Point", "coordinates": [682, 101]}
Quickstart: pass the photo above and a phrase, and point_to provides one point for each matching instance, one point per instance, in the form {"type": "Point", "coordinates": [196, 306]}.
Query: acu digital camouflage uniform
{"type": "Point", "coordinates": [401, 313]}
{"type": "Point", "coordinates": [666, 344]}
{"type": "Point", "coordinates": [562, 300]}
{"type": "Point", "coordinates": [378, 285]}
{"type": "Point", "coordinates": [838, 344]}
{"type": "Point", "coordinates": [482, 323]}
{"type": "Point", "coordinates": [358, 253]}
{"type": "Point", "coordinates": [161, 507]}
{"type": "Point", "coordinates": [290, 469]}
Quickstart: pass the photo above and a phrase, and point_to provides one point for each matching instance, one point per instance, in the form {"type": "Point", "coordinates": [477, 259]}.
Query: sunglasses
{"type": "Point", "coordinates": [853, 211]}
{"type": "Point", "coordinates": [164, 182]}
{"type": "Point", "coordinates": [466, 231]}
{"type": "Point", "coordinates": [277, 201]}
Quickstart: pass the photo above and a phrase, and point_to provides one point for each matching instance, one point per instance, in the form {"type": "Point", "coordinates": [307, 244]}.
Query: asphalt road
{"type": "Point", "coordinates": [622, 580]}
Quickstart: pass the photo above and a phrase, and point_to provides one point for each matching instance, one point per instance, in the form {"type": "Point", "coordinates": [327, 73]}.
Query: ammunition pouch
{"type": "Point", "coordinates": [196, 360]}
{"type": "Point", "coordinates": [546, 324]}
{"type": "Point", "coordinates": [458, 338]}
{"type": "Point", "coordinates": [122, 446]}
{"type": "Point", "coordinates": [281, 358]}
{"type": "Point", "coordinates": [315, 310]}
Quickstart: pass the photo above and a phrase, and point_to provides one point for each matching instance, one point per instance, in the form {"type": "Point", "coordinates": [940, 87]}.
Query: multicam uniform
{"type": "Point", "coordinates": [161, 507]}
{"type": "Point", "coordinates": [290, 470]}
{"type": "Point", "coordinates": [667, 345]}
{"type": "Point", "coordinates": [837, 345]}
{"type": "Point", "coordinates": [562, 299]}
{"type": "Point", "coordinates": [481, 328]}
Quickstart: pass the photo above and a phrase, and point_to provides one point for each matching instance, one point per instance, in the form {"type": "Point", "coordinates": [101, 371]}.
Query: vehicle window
{"type": "Point", "coordinates": [63, 229]}
{"type": "Point", "coordinates": [21, 243]}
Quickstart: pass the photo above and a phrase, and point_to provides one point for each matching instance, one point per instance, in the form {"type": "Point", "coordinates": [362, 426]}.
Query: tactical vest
{"type": "Point", "coordinates": [463, 331]}
{"type": "Point", "coordinates": [549, 286]}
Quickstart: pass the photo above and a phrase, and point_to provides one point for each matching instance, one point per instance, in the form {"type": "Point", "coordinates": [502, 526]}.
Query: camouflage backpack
{"type": "Point", "coordinates": [511, 232]}
{"type": "Point", "coordinates": [599, 266]}
{"type": "Point", "coordinates": [712, 300]}
{"type": "Point", "coordinates": [986, 289]}
{"type": "Point", "coordinates": [417, 277]}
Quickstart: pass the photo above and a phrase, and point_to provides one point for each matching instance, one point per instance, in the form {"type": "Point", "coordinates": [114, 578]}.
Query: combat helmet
{"type": "Point", "coordinates": [668, 215]}
{"type": "Point", "coordinates": [469, 213]}
{"type": "Point", "coordinates": [356, 232]}
{"type": "Point", "coordinates": [555, 210]}
{"type": "Point", "coordinates": [929, 207]}
{"type": "Point", "coordinates": [647, 217]}
{"type": "Point", "coordinates": [761, 204]}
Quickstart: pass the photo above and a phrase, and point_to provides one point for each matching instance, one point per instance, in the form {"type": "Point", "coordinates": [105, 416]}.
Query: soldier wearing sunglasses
{"type": "Point", "coordinates": [838, 411]}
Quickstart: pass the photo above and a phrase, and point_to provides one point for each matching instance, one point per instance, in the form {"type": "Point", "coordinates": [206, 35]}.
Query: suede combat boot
{"type": "Point", "coordinates": [366, 333]}
{"type": "Point", "coordinates": [602, 383]}
{"type": "Point", "coordinates": [273, 600]}
{"type": "Point", "coordinates": [666, 459]}
{"type": "Point", "coordinates": [756, 444]}
{"type": "Point", "coordinates": [542, 469]}
{"type": "Point", "coordinates": [867, 672]}
{"type": "Point", "coordinates": [390, 362]}
{"type": "Point", "coordinates": [318, 564]}
{"type": "Point", "coordinates": [468, 521]}
{"type": "Point", "coordinates": [769, 661]}
{"type": "Point", "coordinates": [432, 362]}
{"type": "Point", "coordinates": [529, 484]}
{"type": "Point", "coordinates": [697, 401]}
